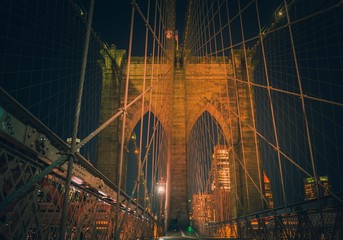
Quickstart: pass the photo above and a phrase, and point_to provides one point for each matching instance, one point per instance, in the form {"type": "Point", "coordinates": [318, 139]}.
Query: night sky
{"type": "Point", "coordinates": [111, 21]}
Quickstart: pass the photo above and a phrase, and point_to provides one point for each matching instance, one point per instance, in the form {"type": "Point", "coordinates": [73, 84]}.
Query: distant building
{"type": "Point", "coordinates": [221, 168]}
{"type": "Point", "coordinates": [203, 208]}
{"type": "Point", "coordinates": [221, 182]}
{"type": "Point", "coordinates": [311, 189]}
{"type": "Point", "coordinates": [268, 194]}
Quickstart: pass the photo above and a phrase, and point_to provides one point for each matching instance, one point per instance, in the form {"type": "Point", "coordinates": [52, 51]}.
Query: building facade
{"type": "Point", "coordinates": [221, 182]}
{"type": "Point", "coordinates": [310, 187]}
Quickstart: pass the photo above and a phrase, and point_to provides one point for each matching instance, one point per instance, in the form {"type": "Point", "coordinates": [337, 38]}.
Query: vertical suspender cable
{"type": "Point", "coordinates": [150, 104]}
{"type": "Point", "coordinates": [117, 231]}
{"type": "Point", "coordinates": [209, 41]}
{"type": "Point", "coordinates": [302, 98]}
{"type": "Point", "coordinates": [143, 98]}
{"type": "Point", "coordinates": [214, 33]}
{"type": "Point", "coordinates": [140, 167]}
{"type": "Point", "coordinates": [271, 104]}
{"type": "Point", "coordinates": [230, 117]}
{"type": "Point", "coordinates": [240, 138]}
{"type": "Point", "coordinates": [228, 97]}
{"type": "Point", "coordinates": [250, 98]}
{"type": "Point", "coordinates": [76, 120]}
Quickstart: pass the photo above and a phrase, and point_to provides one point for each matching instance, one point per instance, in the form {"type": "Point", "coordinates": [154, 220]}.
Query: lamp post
{"type": "Point", "coordinates": [161, 190]}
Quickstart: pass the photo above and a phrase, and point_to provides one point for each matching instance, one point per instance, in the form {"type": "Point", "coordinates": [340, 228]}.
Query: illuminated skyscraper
{"type": "Point", "coordinates": [221, 168]}
{"type": "Point", "coordinates": [268, 194]}
{"type": "Point", "coordinates": [221, 182]}
{"type": "Point", "coordinates": [203, 208]}
{"type": "Point", "coordinates": [311, 189]}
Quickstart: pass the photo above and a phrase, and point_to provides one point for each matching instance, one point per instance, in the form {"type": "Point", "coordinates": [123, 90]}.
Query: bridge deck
{"type": "Point", "coordinates": [184, 234]}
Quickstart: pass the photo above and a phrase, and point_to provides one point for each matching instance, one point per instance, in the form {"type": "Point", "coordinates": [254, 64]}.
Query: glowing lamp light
{"type": "Point", "coordinates": [169, 34]}
{"type": "Point", "coordinates": [160, 189]}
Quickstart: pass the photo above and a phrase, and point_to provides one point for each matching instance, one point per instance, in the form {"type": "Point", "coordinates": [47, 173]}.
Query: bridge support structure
{"type": "Point", "coordinates": [185, 92]}
{"type": "Point", "coordinates": [323, 222]}
{"type": "Point", "coordinates": [32, 202]}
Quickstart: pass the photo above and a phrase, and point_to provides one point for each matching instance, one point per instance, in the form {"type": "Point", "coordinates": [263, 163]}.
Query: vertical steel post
{"type": "Point", "coordinates": [76, 122]}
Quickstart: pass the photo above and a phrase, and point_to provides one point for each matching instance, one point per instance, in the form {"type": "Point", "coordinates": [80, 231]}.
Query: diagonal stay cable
{"type": "Point", "coordinates": [115, 116]}
{"type": "Point", "coordinates": [135, 5]}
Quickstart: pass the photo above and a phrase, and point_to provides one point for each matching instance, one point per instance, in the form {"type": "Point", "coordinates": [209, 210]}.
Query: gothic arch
{"type": "Point", "coordinates": [222, 121]}
{"type": "Point", "coordinates": [135, 114]}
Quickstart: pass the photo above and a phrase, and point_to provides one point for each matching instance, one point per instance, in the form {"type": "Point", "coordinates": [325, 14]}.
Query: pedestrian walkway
{"type": "Point", "coordinates": [184, 234]}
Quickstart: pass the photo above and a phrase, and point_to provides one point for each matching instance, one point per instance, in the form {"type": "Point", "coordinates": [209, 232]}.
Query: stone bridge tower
{"type": "Point", "coordinates": [188, 90]}
{"type": "Point", "coordinates": [190, 86]}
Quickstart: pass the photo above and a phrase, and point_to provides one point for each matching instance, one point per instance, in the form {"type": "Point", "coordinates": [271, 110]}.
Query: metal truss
{"type": "Point", "coordinates": [33, 189]}
{"type": "Point", "coordinates": [325, 223]}
{"type": "Point", "coordinates": [37, 214]}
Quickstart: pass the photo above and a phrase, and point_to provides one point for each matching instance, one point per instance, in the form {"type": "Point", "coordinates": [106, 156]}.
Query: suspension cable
{"type": "Point", "coordinates": [121, 158]}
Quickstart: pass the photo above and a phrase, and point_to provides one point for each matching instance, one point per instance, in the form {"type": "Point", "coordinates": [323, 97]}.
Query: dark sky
{"type": "Point", "coordinates": [112, 20]}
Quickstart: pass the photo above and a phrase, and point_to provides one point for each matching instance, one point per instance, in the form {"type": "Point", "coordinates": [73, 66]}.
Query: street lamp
{"type": "Point", "coordinates": [161, 190]}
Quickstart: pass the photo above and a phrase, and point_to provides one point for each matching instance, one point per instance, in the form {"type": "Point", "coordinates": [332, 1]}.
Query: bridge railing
{"type": "Point", "coordinates": [32, 196]}
{"type": "Point", "coordinates": [311, 220]}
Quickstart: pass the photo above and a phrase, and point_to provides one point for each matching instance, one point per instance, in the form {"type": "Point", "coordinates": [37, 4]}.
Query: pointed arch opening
{"type": "Point", "coordinates": [147, 164]}
{"type": "Point", "coordinates": [209, 155]}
